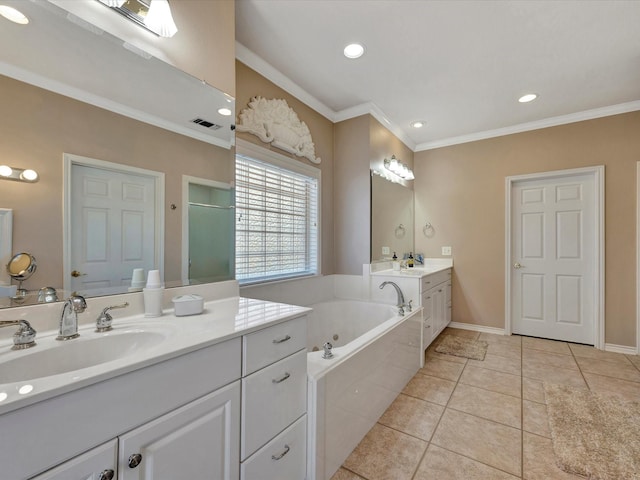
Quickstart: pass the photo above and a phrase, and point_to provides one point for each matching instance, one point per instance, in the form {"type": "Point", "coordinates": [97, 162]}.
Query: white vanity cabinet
{"type": "Point", "coordinates": [100, 463]}
{"type": "Point", "coordinates": [274, 403]}
{"type": "Point", "coordinates": [435, 294]}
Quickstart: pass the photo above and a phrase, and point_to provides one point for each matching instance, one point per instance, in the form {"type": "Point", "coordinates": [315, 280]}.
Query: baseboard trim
{"type": "Point", "coordinates": [610, 347]}
{"type": "Point", "coordinates": [477, 328]}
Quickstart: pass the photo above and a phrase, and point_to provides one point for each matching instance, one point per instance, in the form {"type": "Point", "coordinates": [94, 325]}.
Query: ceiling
{"type": "Point", "coordinates": [458, 65]}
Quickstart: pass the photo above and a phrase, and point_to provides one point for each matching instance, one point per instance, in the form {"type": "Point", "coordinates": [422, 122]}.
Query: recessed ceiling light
{"type": "Point", "coordinates": [224, 111]}
{"type": "Point", "coordinates": [14, 15]}
{"type": "Point", "coordinates": [529, 97]}
{"type": "Point", "coordinates": [418, 124]}
{"type": "Point", "coordinates": [353, 50]}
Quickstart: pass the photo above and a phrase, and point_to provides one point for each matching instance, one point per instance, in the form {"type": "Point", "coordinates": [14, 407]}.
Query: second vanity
{"type": "Point", "coordinates": [219, 395]}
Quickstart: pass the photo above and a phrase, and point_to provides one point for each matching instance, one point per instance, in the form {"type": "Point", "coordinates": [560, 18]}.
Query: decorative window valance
{"type": "Point", "coordinates": [274, 122]}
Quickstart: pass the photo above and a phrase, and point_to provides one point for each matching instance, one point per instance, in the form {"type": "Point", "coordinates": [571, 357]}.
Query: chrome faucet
{"type": "Point", "coordinates": [25, 337]}
{"type": "Point", "coordinates": [74, 305]}
{"type": "Point", "coordinates": [401, 303]}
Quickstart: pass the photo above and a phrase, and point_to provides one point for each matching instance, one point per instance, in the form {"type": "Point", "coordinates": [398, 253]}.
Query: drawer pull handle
{"type": "Point", "coordinates": [134, 460]}
{"type": "Point", "coordinates": [282, 339]}
{"type": "Point", "coordinates": [429, 298]}
{"type": "Point", "coordinates": [282, 378]}
{"type": "Point", "coordinates": [278, 457]}
{"type": "Point", "coordinates": [106, 475]}
{"type": "Point", "coordinates": [440, 290]}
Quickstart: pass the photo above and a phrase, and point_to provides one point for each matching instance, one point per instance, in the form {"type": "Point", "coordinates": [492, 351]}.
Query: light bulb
{"type": "Point", "coordinates": [16, 16]}
{"type": "Point", "coordinates": [159, 19]}
{"type": "Point", "coordinates": [353, 50]}
{"type": "Point", "coordinates": [5, 171]}
{"type": "Point", "coordinates": [224, 111]}
{"type": "Point", "coordinates": [29, 175]}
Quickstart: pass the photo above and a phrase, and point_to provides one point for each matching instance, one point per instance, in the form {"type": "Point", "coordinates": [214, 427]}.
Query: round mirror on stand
{"type": "Point", "coordinates": [21, 267]}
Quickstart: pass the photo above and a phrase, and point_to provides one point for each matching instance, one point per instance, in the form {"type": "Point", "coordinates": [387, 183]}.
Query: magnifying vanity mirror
{"type": "Point", "coordinates": [73, 94]}
{"type": "Point", "coordinates": [392, 218]}
{"type": "Point", "coordinates": [20, 268]}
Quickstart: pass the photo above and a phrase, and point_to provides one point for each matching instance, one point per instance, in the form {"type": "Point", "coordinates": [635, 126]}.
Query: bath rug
{"type": "Point", "coordinates": [594, 435]}
{"type": "Point", "coordinates": [462, 347]}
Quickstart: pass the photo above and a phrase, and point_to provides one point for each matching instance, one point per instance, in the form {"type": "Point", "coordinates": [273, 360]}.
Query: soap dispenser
{"type": "Point", "coordinates": [410, 260]}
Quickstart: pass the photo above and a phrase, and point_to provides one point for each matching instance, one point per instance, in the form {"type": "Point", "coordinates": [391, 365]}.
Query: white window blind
{"type": "Point", "coordinates": [276, 222]}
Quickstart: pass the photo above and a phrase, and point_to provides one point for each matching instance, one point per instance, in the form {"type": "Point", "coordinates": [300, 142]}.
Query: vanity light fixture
{"type": "Point", "coordinates": [154, 15]}
{"type": "Point", "coordinates": [18, 174]}
{"type": "Point", "coordinates": [13, 15]}
{"type": "Point", "coordinates": [398, 168]}
{"type": "Point", "coordinates": [353, 50]}
{"type": "Point", "coordinates": [529, 97]}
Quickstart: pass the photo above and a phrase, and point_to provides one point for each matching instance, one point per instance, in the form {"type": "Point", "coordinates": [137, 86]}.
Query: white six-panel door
{"type": "Point", "coordinates": [554, 257]}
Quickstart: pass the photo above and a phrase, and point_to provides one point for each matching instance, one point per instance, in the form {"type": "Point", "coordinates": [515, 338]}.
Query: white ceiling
{"type": "Point", "coordinates": [458, 65]}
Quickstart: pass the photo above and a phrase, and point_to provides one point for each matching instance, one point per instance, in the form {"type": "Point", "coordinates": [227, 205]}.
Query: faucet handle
{"type": "Point", "coordinates": [25, 337]}
{"type": "Point", "coordinates": [103, 322]}
{"type": "Point", "coordinates": [409, 305]}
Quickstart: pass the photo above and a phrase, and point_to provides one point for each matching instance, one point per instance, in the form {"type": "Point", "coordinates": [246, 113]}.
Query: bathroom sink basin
{"type": "Point", "coordinates": [69, 356]}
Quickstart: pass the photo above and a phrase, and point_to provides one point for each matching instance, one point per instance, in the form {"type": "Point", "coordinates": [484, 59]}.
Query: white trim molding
{"type": "Point", "coordinates": [638, 258]}
{"type": "Point", "coordinates": [6, 246]}
{"type": "Point", "coordinates": [599, 285]}
{"type": "Point", "coordinates": [610, 347]}
{"type": "Point", "coordinates": [478, 328]}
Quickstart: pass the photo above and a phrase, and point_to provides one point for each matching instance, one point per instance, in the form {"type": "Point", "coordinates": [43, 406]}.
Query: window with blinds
{"type": "Point", "coordinates": [276, 221]}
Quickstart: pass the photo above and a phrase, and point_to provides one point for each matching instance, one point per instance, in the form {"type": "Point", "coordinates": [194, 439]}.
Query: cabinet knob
{"type": "Point", "coordinates": [134, 460]}
{"type": "Point", "coordinates": [106, 475]}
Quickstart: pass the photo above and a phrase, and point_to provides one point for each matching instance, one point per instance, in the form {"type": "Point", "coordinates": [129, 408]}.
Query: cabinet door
{"type": "Point", "coordinates": [96, 464]}
{"type": "Point", "coordinates": [198, 441]}
{"type": "Point", "coordinates": [427, 319]}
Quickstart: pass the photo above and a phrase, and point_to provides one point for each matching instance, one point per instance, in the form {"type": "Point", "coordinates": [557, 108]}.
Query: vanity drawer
{"type": "Point", "coordinates": [284, 457]}
{"type": "Point", "coordinates": [434, 279]}
{"type": "Point", "coordinates": [267, 346]}
{"type": "Point", "coordinates": [271, 400]}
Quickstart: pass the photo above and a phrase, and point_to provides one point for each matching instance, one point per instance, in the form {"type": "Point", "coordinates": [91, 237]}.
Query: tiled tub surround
{"type": "Point", "coordinates": [472, 420]}
{"type": "Point", "coordinates": [377, 352]}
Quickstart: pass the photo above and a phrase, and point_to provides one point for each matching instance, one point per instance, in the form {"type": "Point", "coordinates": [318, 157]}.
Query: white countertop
{"type": "Point", "coordinates": [221, 320]}
{"type": "Point", "coordinates": [415, 272]}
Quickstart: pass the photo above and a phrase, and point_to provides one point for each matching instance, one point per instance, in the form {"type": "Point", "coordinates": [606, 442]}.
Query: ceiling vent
{"type": "Point", "coordinates": [207, 124]}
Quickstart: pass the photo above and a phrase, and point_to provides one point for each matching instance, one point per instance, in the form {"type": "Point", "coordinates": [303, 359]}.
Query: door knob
{"type": "Point", "coordinates": [517, 265]}
{"type": "Point", "coordinates": [76, 274]}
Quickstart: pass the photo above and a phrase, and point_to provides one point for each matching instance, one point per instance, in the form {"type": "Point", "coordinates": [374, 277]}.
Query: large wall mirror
{"type": "Point", "coordinates": [100, 121]}
{"type": "Point", "coordinates": [392, 218]}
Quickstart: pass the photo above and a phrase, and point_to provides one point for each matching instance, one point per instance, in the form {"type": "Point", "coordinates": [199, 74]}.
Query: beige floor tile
{"type": "Point", "coordinates": [439, 463]}
{"type": "Point", "coordinates": [613, 386]}
{"type": "Point", "coordinates": [635, 359]}
{"type": "Point", "coordinates": [534, 418]}
{"type": "Point", "coordinates": [545, 345]}
{"type": "Point", "coordinates": [432, 389]}
{"type": "Point", "coordinates": [539, 462]}
{"type": "Point", "coordinates": [548, 358]}
{"type": "Point", "coordinates": [501, 364]}
{"type": "Point", "coordinates": [545, 373]}
{"type": "Point", "coordinates": [461, 333]}
{"type": "Point", "coordinates": [485, 441]}
{"type": "Point", "coordinates": [442, 369]}
{"type": "Point", "coordinates": [511, 340]}
{"type": "Point", "coordinates": [385, 454]}
{"type": "Point", "coordinates": [616, 370]}
{"type": "Point", "coordinates": [505, 350]}
{"type": "Point", "coordinates": [590, 352]}
{"type": "Point", "coordinates": [343, 474]}
{"type": "Point", "coordinates": [532, 390]}
{"type": "Point", "coordinates": [492, 380]}
{"type": "Point", "coordinates": [431, 353]}
{"type": "Point", "coordinates": [494, 406]}
{"type": "Point", "coordinates": [412, 416]}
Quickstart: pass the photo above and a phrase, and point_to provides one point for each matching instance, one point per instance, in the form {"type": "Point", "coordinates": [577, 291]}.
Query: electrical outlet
{"type": "Point", "coordinates": [386, 251]}
{"type": "Point", "coordinates": [446, 250]}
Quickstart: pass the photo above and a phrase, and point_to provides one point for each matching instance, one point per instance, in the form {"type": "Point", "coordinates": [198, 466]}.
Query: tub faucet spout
{"type": "Point", "coordinates": [401, 302]}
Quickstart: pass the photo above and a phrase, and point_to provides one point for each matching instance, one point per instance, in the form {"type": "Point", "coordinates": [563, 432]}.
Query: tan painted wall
{"type": "Point", "coordinates": [39, 126]}
{"type": "Point", "coordinates": [461, 191]}
{"type": "Point", "coordinates": [249, 84]}
{"type": "Point", "coordinates": [205, 43]}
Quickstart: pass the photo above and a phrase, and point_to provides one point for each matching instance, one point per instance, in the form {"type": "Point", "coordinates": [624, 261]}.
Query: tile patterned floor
{"type": "Point", "coordinates": [484, 420]}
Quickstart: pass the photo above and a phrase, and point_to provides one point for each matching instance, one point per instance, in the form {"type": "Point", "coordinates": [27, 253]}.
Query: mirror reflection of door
{"type": "Point", "coordinates": [114, 224]}
{"type": "Point", "coordinates": [210, 231]}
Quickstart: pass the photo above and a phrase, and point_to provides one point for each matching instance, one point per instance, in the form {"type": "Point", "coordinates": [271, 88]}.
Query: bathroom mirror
{"type": "Point", "coordinates": [392, 219]}
{"type": "Point", "coordinates": [68, 88]}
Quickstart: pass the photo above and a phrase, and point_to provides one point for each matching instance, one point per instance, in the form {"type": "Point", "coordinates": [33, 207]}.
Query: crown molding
{"type": "Point", "coordinates": [537, 125]}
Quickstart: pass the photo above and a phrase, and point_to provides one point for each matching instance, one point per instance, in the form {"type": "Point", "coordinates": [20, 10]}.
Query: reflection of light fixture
{"type": "Point", "coordinates": [398, 168]}
{"type": "Point", "coordinates": [154, 15]}
{"type": "Point", "coordinates": [18, 174]}
{"type": "Point", "coordinates": [16, 16]}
